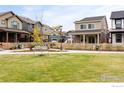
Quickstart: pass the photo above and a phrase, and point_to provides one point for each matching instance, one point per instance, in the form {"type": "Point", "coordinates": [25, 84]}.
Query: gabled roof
{"type": "Point", "coordinates": [96, 18]}
{"type": "Point", "coordinates": [21, 18]}
{"type": "Point", "coordinates": [3, 13]}
{"type": "Point", "coordinates": [27, 20]}
{"type": "Point", "coordinates": [117, 14]}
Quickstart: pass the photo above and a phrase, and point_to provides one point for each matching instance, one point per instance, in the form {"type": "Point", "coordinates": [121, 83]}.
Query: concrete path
{"type": "Point", "coordinates": [4, 52]}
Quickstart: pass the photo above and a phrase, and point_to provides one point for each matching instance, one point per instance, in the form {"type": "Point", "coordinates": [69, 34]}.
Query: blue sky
{"type": "Point", "coordinates": [61, 14]}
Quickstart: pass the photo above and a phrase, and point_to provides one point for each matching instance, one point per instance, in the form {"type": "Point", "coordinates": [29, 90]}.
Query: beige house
{"type": "Point", "coordinates": [47, 31]}
{"type": "Point", "coordinates": [12, 28]}
{"type": "Point", "coordinates": [90, 30]}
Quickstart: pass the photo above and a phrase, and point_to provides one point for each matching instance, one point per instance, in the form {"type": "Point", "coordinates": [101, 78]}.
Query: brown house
{"type": "Point", "coordinates": [90, 30]}
{"type": "Point", "coordinates": [14, 28]}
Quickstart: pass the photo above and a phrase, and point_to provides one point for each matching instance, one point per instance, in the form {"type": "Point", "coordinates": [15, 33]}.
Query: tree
{"type": "Point", "coordinates": [37, 35]}
{"type": "Point", "coordinates": [58, 29]}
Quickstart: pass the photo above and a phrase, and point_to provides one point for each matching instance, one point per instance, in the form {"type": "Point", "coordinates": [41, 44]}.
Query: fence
{"type": "Point", "coordinates": [12, 45]}
{"type": "Point", "coordinates": [70, 46]}
{"type": "Point", "coordinates": [79, 46]}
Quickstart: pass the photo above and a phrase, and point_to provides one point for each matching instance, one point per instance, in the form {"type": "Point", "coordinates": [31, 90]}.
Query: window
{"type": "Point", "coordinates": [83, 26]}
{"type": "Point", "coordinates": [118, 38]}
{"type": "Point", "coordinates": [90, 26]}
{"type": "Point", "coordinates": [118, 23]}
{"type": "Point", "coordinates": [3, 22]}
{"type": "Point", "coordinates": [14, 24]}
{"type": "Point", "coordinates": [45, 29]}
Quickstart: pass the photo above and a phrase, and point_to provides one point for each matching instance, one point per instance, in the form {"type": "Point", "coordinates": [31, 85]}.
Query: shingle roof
{"type": "Point", "coordinates": [117, 14]}
{"type": "Point", "coordinates": [27, 20]}
{"type": "Point", "coordinates": [2, 13]}
{"type": "Point", "coordinates": [94, 30]}
{"type": "Point", "coordinates": [13, 30]}
{"type": "Point", "coordinates": [92, 18]}
{"type": "Point", "coordinates": [24, 19]}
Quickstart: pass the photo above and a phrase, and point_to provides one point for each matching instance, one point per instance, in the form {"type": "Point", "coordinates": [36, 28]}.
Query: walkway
{"type": "Point", "coordinates": [3, 52]}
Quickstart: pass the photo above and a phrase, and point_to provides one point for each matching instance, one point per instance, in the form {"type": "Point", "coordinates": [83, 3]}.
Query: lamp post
{"type": "Point", "coordinates": [61, 48]}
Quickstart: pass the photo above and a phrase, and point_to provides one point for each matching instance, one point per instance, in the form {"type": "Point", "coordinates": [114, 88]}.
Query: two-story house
{"type": "Point", "coordinates": [117, 27]}
{"type": "Point", "coordinates": [90, 30]}
{"type": "Point", "coordinates": [14, 28]}
{"type": "Point", "coordinates": [47, 32]}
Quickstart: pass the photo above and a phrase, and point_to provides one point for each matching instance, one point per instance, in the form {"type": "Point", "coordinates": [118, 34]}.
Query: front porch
{"type": "Point", "coordinates": [86, 38]}
{"type": "Point", "coordinates": [117, 37]}
{"type": "Point", "coordinates": [12, 35]}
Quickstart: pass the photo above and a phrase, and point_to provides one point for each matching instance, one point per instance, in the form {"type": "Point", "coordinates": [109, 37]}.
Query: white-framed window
{"type": "Point", "coordinates": [91, 26]}
{"type": "Point", "coordinates": [3, 22]}
{"type": "Point", "coordinates": [118, 38]}
{"type": "Point", "coordinates": [118, 23]}
{"type": "Point", "coordinates": [83, 26]}
{"type": "Point", "coordinates": [15, 24]}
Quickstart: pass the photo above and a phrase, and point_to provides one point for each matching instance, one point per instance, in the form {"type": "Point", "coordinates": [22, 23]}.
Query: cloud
{"type": "Point", "coordinates": [66, 15]}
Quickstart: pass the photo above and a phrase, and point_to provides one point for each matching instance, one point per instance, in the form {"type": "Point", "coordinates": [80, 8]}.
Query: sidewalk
{"type": "Point", "coordinates": [4, 52]}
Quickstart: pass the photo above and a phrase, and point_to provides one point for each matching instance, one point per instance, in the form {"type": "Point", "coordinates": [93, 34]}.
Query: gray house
{"type": "Point", "coordinates": [117, 27]}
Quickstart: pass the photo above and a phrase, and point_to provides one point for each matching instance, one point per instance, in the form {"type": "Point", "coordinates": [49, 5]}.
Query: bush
{"type": "Point", "coordinates": [119, 48]}
{"type": "Point", "coordinates": [13, 47]}
{"type": "Point", "coordinates": [20, 46]}
{"type": "Point", "coordinates": [97, 47]}
{"type": "Point", "coordinates": [31, 46]}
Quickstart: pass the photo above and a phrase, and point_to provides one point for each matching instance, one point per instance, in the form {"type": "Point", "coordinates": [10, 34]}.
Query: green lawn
{"type": "Point", "coordinates": [62, 68]}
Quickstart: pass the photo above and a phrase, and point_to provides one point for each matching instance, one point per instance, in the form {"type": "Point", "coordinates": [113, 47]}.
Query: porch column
{"type": "Point", "coordinates": [80, 39]}
{"type": "Point", "coordinates": [83, 38]}
{"type": "Point", "coordinates": [71, 39]}
{"type": "Point", "coordinates": [6, 36]}
{"type": "Point", "coordinates": [15, 37]}
{"type": "Point", "coordinates": [97, 38]}
{"type": "Point", "coordinates": [122, 23]}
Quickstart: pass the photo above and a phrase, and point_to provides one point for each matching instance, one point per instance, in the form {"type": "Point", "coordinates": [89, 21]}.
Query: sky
{"type": "Point", "coordinates": [64, 15]}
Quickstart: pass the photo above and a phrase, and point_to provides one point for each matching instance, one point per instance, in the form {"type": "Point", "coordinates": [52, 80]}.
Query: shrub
{"type": "Point", "coordinates": [119, 48]}
{"type": "Point", "coordinates": [31, 46]}
{"type": "Point", "coordinates": [13, 47]}
{"type": "Point", "coordinates": [20, 46]}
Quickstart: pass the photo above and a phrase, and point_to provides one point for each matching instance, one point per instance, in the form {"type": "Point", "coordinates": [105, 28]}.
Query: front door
{"type": "Point", "coordinates": [91, 39]}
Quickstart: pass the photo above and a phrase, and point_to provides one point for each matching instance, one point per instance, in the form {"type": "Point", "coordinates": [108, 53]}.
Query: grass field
{"type": "Point", "coordinates": [62, 68]}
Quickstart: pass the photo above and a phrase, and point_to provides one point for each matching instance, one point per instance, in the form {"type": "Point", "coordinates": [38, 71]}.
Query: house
{"type": "Point", "coordinates": [117, 27]}
{"type": "Point", "coordinates": [57, 34]}
{"type": "Point", "coordinates": [90, 30]}
{"type": "Point", "coordinates": [47, 32]}
{"type": "Point", "coordinates": [14, 28]}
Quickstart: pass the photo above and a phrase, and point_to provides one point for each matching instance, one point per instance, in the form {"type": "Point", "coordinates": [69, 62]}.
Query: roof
{"type": "Point", "coordinates": [24, 19]}
{"type": "Point", "coordinates": [86, 30]}
{"type": "Point", "coordinates": [27, 20]}
{"type": "Point", "coordinates": [13, 30]}
{"type": "Point", "coordinates": [116, 30]}
{"type": "Point", "coordinates": [92, 18]}
{"type": "Point", "coordinates": [2, 13]}
{"type": "Point", "coordinates": [79, 32]}
{"type": "Point", "coordinates": [117, 14]}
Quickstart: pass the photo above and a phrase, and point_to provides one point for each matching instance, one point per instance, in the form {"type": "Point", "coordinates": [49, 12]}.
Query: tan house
{"type": "Point", "coordinates": [13, 28]}
{"type": "Point", "coordinates": [90, 30]}
{"type": "Point", "coordinates": [47, 31]}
